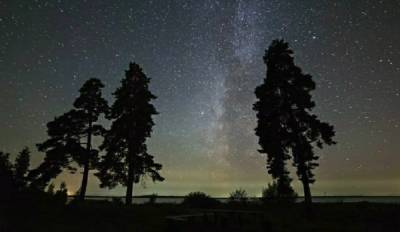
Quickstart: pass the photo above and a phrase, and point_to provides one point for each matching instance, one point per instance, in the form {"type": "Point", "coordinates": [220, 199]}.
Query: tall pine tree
{"type": "Point", "coordinates": [273, 137]}
{"type": "Point", "coordinates": [92, 104]}
{"type": "Point", "coordinates": [286, 126]}
{"type": "Point", "coordinates": [71, 136]}
{"type": "Point", "coordinates": [126, 159]}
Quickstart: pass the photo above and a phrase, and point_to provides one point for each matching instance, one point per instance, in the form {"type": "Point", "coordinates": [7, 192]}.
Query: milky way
{"type": "Point", "coordinates": [205, 59]}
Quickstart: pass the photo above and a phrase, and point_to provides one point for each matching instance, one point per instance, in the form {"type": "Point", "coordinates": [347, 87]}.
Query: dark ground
{"type": "Point", "coordinates": [105, 216]}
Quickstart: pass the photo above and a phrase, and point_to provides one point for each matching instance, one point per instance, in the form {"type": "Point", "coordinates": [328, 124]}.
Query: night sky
{"type": "Point", "coordinates": [205, 59]}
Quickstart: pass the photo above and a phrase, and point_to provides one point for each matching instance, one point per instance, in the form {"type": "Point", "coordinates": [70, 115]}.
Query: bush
{"type": "Point", "coordinates": [238, 196]}
{"type": "Point", "coordinates": [199, 200]}
{"type": "Point", "coordinates": [270, 194]}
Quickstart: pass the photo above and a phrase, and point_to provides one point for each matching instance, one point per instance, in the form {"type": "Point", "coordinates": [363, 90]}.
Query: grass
{"type": "Point", "coordinates": [105, 216]}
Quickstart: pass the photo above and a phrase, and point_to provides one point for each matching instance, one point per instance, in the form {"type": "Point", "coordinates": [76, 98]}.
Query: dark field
{"type": "Point", "coordinates": [106, 216]}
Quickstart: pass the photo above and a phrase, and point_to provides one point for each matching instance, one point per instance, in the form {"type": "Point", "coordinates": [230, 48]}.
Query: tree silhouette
{"type": "Point", "coordinates": [272, 134]}
{"type": "Point", "coordinates": [21, 168]}
{"type": "Point", "coordinates": [69, 132]}
{"type": "Point", "coordinates": [285, 122]}
{"type": "Point", "coordinates": [238, 196]}
{"type": "Point", "coordinates": [61, 195]}
{"type": "Point", "coordinates": [6, 177]}
{"type": "Point", "coordinates": [62, 146]}
{"type": "Point", "coordinates": [92, 104]}
{"type": "Point", "coordinates": [14, 176]}
{"type": "Point", "coordinates": [270, 194]}
{"type": "Point", "coordinates": [126, 159]}
{"type": "Point", "coordinates": [50, 189]}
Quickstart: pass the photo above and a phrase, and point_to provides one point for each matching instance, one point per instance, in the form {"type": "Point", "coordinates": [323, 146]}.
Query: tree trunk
{"type": "Point", "coordinates": [131, 166]}
{"type": "Point", "coordinates": [129, 189]}
{"type": "Point", "coordinates": [85, 177]}
{"type": "Point", "coordinates": [131, 173]}
{"type": "Point", "coordinates": [307, 191]}
{"type": "Point", "coordinates": [82, 190]}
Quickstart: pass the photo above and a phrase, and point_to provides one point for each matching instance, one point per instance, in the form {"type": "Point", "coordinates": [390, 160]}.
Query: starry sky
{"type": "Point", "coordinates": [205, 59]}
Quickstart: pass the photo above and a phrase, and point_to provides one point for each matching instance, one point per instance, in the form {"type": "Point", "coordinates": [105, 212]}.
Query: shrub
{"type": "Point", "coordinates": [239, 195]}
{"type": "Point", "coordinates": [271, 191]}
{"type": "Point", "coordinates": [199, 200]}
{"type": "Point", "coordinates": [270, 194]}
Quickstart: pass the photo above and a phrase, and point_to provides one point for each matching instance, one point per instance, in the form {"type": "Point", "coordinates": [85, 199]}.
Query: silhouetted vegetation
{"type": "Point", "coordinates": [21, 168]}
{"type": "Point", "coordinates": [286, 126]}
{"type": "Point", "coordinates": [126, 160]}
{"type": "Point", "coordinates": [92, 104]}
{"type": "Point", "coordinates": [286, 129]}
{"type": "Point", "coordinates": [61, 194]}
{"type": "Point", "coordinates": [270, 194]}
{"type": "Point", "coordinates": [14, 177]}
{"type": "Point", "coordinates": [107, 216]}
{"type": "Point", "coordinates": [50, 189]}
{"type": "Point", "coordinates": [199, 200]}
{"type": "Point", "coordinates": [238, 196]}
{"type": "Point", "coordinates": [17, 184]}
{"type": "Point", "coordinates": [67, 135]}
{"type": "Point", "coordinates": [18, 199]}
{"type": "Point", "coordinates": [7, 179]}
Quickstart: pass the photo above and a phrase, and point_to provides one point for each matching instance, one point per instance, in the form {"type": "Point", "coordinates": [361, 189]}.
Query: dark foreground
{"type": "Point", "coordinates": [105, 216]}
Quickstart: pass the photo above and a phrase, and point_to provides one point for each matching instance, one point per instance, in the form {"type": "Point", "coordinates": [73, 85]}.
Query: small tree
{"type": "Point", "coordinates": [61, 195]}
{"type": "Point", "coordinates": [239, 195]}
{"type": "Point", "coordinates": [285, 122]}
{"type": "Point", "coordinates": [14, 176]}
{"type": "Point", "coordinates": [126, 159]}
{"type": "Point", "coordinates": [21, 168]}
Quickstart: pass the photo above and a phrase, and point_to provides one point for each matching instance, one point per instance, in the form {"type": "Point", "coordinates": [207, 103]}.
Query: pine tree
{"type": "Point", "coordinates": [126, 159]}
{"type": "Point", "coordinates": [14, 176]}
{"type": "Point", "coordinates": [6, 178]}
{"type": "Point", "coordinates": [271, 132]}
{"type": "Point", "coordinates": [286, 126]}
{"type": "Point", "coordinates": [21, 168]}
{"type": "Point", "coordinates": [92, 104]}
{"type": "Point", "coordinates": [63, 144]}
{"type": "Point", "coordinates": [67, 135]}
